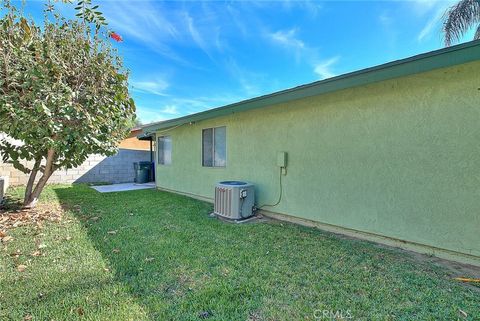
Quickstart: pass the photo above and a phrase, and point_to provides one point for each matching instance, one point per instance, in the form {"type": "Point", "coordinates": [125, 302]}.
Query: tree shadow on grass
{"type": "Point", "coordinates": [181, 265]}
{"type": "Point", "coordinates": [10, 203]}
{"type": "Point", "coordinates": [122, 227]}
{"type": "Point", "coordinates": [85, 297]}
{"type": "Point", "coordinates": [172, 257]}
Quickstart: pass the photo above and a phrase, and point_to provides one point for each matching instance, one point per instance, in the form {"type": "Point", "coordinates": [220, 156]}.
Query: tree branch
{"type": "Point", "coordinates": [33, 199]}
{"type": "Point", "coordinates": [31, 180]}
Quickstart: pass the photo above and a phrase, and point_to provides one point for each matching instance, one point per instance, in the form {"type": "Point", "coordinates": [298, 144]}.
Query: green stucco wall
{"type": "Point", "coordinates": [400, 158]}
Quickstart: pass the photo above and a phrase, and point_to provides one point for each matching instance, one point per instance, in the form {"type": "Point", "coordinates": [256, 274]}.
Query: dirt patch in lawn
{"type": "Point", "coordinates": [453, 268]}
{"type": "Point", "coordinates": [456, 268]}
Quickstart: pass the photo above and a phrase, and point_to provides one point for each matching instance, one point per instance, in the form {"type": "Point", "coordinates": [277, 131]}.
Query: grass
{"type": "Point", "coordinates": [151, 255]}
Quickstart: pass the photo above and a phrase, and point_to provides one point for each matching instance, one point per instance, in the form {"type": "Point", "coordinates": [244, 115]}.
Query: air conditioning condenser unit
{"type": "Point", "coordinates": [234, 200]}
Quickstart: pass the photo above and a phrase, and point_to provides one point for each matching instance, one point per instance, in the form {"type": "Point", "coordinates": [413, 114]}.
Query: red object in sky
{"type": "Point", "coordinates": [115, 36]}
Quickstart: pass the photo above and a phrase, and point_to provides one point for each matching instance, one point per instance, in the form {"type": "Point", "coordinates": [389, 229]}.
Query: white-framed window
{"type": "Point", "coordinates": [164, 147]}
{"type": "Point", "coordinates": [214, 147]}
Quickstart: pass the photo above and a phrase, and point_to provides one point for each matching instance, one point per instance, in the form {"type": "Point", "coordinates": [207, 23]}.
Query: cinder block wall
{"type": "Point", "coordinates": [96, 169]}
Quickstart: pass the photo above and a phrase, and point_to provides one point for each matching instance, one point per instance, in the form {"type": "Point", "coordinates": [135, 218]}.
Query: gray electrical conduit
{"type": "Point", "coordinates": [279, 196]}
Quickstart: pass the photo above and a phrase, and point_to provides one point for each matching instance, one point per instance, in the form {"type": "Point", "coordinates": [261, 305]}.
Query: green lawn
{"type": "Point", "coordinates": [151, 255]}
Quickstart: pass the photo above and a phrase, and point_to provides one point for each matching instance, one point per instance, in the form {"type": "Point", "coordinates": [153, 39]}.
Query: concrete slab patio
{"type": "Point", "coordinates": [122, 187]}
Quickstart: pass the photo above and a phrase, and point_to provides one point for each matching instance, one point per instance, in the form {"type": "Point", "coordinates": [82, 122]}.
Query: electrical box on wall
{"type": "Point", "coordinates": [282, 159]}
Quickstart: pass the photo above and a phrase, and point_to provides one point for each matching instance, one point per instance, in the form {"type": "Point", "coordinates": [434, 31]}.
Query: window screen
{"type": "Point", "coordinates": [219, 151]}
{"type": "Point", "coordinates": [214, 151]}
{"type": "Point", "coordinates": [207, 139]}
{"type": "Point", "coordinates": [164, 150]}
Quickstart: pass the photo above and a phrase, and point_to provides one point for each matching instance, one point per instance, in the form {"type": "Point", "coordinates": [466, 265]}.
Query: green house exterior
{"type": "Point", "coordinates": [390, 154]}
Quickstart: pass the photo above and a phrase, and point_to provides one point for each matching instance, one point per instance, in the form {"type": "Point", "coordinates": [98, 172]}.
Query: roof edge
{"type": "Point", "coordinates": [440, 58]}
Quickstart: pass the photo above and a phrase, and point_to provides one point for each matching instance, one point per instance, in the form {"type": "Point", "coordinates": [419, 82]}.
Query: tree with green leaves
{"type": "Point", "coordinates": [63, 91]}
{"type": "Point", "coordinates": [137, 122]}
{"type": "Point", "coordinates": [461, 18]}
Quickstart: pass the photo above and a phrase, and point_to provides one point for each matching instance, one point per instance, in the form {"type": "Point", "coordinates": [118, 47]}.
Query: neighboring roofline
{"type": "Point", "coordinates": [441, 58]}
{"type": "Point", "coordinates": [144, 136]}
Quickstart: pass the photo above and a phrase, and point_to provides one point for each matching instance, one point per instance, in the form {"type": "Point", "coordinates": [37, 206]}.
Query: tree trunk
{"type": "Point", "coordinates": [31, 180]}
{"type": "Point", "coordinates": [33, 199]}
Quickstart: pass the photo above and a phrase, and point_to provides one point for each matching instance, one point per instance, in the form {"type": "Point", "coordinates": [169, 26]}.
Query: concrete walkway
{"type": "Point", "coordinates": [122, 187]}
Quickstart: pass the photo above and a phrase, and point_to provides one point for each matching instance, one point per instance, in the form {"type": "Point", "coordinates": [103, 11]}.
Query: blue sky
{"type": "Point", "coordinates": [185, 57]}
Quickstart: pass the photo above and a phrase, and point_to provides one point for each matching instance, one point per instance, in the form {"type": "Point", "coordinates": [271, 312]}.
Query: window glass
{"type": "Point", "coordinates": [207, 149]}
{"type": "Point", "coordinates": [214, 152]}
{"type": "Point", "coordinates": [165, 150]}
{"type": "Point", "coordinates": [160, 157]}
{"type": "Point", "coordinates": [220, 147]}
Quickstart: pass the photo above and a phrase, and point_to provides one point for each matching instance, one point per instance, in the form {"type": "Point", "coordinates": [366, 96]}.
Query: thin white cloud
{"type": "Point", "coordinates": [195, 34]}
{"type": "Point", "coordinates": [204, 28]}
{"type": "Point", "coordinates": [423, 7]}
{"type": "Point", "coordinates": [249, 81]}
{"type": "Point", "coordinates": [428, 28]}
{"type": "Point", "coordinates": [287, 38]}
{"type": "Point", "coordinates": [144, 22]}
{"type": "Point", "coordinates": [290, 40]}
{"type": "Point", "coordinates": [385, 19]}
{"type": "Point", "coordinates": [196, 104]}
{"type": "Point", "coordinates": [156, 87]}
{"type": "Point", "coordinates": [434, 9]}
{"type": "Point", "coordinates": [324, 68]}
{"type": "Point", "coordinates": [170, 110]}
{"type": "Point", "coordinates": [168, 31]}
{"type": "Point", "coordinates": [388, 24]}
{"type": "Point", "coordinates": [237, 19]}
{"type": "Point", "coordinates": [168, 107]}
{"type": "Point", "coordinates": [149, 115]}
{"type": "Point", "coordinates": [312, 7]}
